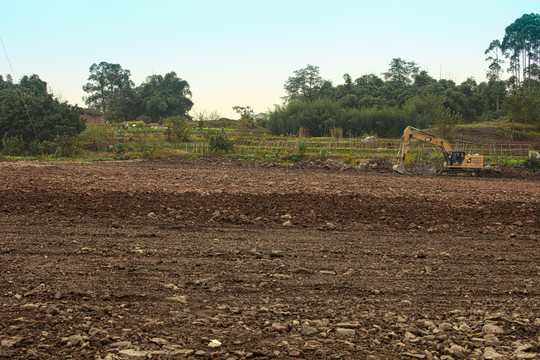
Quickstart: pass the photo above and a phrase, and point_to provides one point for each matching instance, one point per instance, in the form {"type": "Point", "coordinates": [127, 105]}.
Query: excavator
{"type": "Point", "coordinates": [456, 162]}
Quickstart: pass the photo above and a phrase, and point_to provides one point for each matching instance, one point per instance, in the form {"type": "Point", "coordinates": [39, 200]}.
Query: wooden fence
{"type": "Point", "coordinates": [356, 147]}
{"type": "Point", "coordinates": [493, 149]}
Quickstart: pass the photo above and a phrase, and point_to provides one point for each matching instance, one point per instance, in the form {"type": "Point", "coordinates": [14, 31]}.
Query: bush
{"type": "Point", "coordinates": [532, 165]}
{"type": "Point", "coordinates": [302, 147]}
{"type": "Point", "coordinates": [351, 160]}
{"type": "Point", "coordinates": [220, 143]}
{"type": "Point", "coordinates": [46, 147]}
{"type": "Point", "coordinates": [295, 158]}
{"type": "Point", "coordinates": [26, 114]}
{"type": "Point", "coordinates": [321, 117]}
{"type": "Point", "coordinates": [120, 151]}
{"type": "Point", "coordinates": [99, 137]}
{"type": "Point", "coordinates": [178, 129]}
{"type": "Point", "coordinates": [66, 146]}
{"type": "Point", "coordinates": [13, 145]}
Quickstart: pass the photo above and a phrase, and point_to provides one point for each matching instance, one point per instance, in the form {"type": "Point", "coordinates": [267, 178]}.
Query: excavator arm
{"type": "Point", "coordinates": [414, 133]}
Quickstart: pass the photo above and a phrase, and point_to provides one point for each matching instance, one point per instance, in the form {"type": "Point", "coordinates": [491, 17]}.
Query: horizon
{"type": "Point", "coordinates": [242, 53]}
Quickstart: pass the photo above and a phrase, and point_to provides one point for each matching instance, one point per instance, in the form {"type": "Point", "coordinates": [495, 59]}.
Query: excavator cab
{"type": "Point", "coordinates": [456, 158]}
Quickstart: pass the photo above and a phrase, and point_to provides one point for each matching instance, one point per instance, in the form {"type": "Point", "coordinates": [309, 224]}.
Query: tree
{"type": "Point", "coordinates": [495, 69]}
{"type": "Point", "coordinates": [446, 121]}
{"type": "Point", "coordinates": [523, 107]}
{"type": "Point", "coordinates": [494, 53]}
{"type": "Point", "coordinates": [165, 96]}
{"type": "Point", "coordinates": [34, 84]}
{"type": "Point", "coordinates": [521, 43]}
{"type": "Point", "coordinates": [422, 79]}
{"type": "Point", "coordinates": [243, 111]}
{"type": "Point", "coordinates": [205, 115]}
{"type": "Point", "coordinates": [304, 85]}
{"type": "Point", "coordinates": [178, 129]}
{"type": "Point", "coordinates": [401, 71]}
{"type": "Point", "coordinates": [28, 112]}
{"type": "Point", "coordinates": [104, 82]}
{"type": "Point", "coordinates": [246, 119]}
{"type": "Point", "coordinates": [125, 104]}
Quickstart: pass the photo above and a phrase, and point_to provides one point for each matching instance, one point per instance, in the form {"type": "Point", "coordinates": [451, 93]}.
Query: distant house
{"type": "Point", "coordinates": [260, 116]}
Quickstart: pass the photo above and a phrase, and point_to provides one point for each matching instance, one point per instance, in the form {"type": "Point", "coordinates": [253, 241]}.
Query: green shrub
{"type": "Point", "coordinates": [532, 165]}
{"type": "Point", "coordinates": [99, 137]}
{"type": "Point", "coordinates": [149, 151]}
{"type": "Point", "coordinates": [13, 145]}
{"type": "Point", "coordinates": [66, 146]}
{"type": "Point", "coordinates": [46, 147]}
{"type": "Point", "coordinates": [178, 129]}
{"type": "Point", "coordinates": [302, 147]}
{"type": "Point", "coordinates": [120, 151]}
{"type": "Point", "coordinates": [220, 143]}
{"type": "Point", "coordinates": [295, 157]}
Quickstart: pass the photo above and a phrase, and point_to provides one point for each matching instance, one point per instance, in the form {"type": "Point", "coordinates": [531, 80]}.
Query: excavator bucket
{"type": "Point", "coordinates": [399, 168]}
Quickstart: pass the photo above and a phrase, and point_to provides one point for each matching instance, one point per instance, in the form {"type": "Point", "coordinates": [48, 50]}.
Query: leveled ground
{"type": "Point", "coordinates": [213, 259]}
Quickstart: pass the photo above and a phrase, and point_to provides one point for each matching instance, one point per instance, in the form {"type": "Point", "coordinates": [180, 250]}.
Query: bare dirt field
{"type": "Point", "coordinates": [212, 259]}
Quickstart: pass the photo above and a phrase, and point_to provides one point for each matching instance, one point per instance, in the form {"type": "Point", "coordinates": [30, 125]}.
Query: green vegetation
{"type": "Point", "coordinates": [136, 140]}
{"type": "Point", "coordinates": [30, 118]}
{"type": "Point", "coordinates": [219, 143]}
{"type": "Point", "coordinates": [113, 93]}
{"type": "Point", "coordinates": [360, 119]}
{"type": "Point", "coordinates": [177, 129]}
{"type": "Point", "coordinates": [407, 95]}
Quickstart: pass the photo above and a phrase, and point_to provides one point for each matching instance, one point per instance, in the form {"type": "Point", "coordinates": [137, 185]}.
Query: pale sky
{"type": "Point", "coordinates": [241, 52]}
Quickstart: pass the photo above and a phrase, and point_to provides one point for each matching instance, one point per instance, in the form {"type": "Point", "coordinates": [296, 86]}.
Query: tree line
{"type": "Point", "coordinates": [34, 121]}
{"type": "Point", "coordinates": [384, 104]}
{"type": "Point", "coordinates": [405, 95]}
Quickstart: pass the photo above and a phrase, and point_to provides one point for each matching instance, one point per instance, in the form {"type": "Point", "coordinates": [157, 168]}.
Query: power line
{"type": "Point", "coordinates": [22, 100]}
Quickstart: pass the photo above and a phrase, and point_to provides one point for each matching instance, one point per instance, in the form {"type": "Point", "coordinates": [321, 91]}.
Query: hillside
{"type": "Point", "coordinates": [497, 132]}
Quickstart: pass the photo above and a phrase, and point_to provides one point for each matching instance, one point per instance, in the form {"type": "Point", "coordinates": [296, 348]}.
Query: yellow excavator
{"type": "Point", "coordinates": [455, 162]}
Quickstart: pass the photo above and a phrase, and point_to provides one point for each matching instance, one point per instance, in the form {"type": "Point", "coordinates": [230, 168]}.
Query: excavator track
{"type": "Point", "coordinates": [456, 172]}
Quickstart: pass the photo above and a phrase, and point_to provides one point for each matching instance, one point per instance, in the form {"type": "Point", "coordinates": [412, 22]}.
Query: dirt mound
{"type": "Point", "coordinates": [426, 168]}
{"type": "Point", "coordinates": [422, 168]}
{"type": "Point", "coordinates": [508, 173]}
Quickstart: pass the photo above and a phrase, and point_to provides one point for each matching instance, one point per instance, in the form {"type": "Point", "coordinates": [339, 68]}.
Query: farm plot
{"type": "Point", "coordinates": [225, 260]}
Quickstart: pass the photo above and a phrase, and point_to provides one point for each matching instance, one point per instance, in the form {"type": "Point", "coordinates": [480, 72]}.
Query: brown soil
{"type": "Point", "coordinates": [156, 259]}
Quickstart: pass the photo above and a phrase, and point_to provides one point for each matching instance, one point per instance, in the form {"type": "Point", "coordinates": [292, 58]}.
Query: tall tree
{"type": "Point", "coordinates": [521, 43]}
{"type": "Point", "coordinates": [164, 96]}
{"type": "Point", "coordinates": [494, 53]}
{"type": "Point", "coordinates": [104, 81]}
{"type": "Point", "coordinates": [401, 71]}
{"type": "Point", "coordinates": [125, 104]}
{"type": "Point", "coordinates": [304, 85]}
